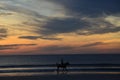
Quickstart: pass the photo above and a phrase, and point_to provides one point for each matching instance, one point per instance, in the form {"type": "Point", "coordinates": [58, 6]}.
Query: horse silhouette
{"type": "Point", "coordinates": [62, 66]}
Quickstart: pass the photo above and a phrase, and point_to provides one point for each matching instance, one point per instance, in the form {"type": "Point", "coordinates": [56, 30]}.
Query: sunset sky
{"type": "Point", "coordinates": [29, 27]}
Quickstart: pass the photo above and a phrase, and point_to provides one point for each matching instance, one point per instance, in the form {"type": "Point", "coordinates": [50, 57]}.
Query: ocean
{"type": "Point", "coordinates": [80, 64]}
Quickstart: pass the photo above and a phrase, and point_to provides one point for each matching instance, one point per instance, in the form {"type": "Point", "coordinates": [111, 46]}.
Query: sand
{"type": "Point", "coordinates": [65, 77]}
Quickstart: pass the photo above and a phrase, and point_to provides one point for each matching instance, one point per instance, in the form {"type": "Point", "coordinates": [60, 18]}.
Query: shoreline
{"type": "Point", "coordinates": [65, 77]}
{"type": "Point", "coordinates": [27, 74]}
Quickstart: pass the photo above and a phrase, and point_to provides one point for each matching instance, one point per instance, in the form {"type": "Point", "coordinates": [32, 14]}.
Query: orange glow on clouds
{"type": "Point", "coordinates": [47, 27]}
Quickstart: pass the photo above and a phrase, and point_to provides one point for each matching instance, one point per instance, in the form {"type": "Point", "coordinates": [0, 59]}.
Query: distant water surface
{"type": "Point", "coordinates": [14, 65]}
{"type": "Point", "coordinates": [52, 59]}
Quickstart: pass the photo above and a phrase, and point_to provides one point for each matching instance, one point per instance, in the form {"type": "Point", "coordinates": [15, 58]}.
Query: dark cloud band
{"type": "Point", "coordinates": [3, 33]}
{"type": "Point", "coordinates": [14, 46]}
{"type": "Point", "coordinates": [39, 37]}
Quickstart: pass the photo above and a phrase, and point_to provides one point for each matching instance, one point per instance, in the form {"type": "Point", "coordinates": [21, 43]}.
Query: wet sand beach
{"type": "Point", "coordinates": [65, 77]}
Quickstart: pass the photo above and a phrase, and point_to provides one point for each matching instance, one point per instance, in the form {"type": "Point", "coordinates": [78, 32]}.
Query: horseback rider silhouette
{"type": "Point", "coordinates": [63, 65]}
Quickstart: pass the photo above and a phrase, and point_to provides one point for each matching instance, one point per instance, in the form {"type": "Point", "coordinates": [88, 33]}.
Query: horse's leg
{"type": "Point", "coordinates": [63, 69]}
{"type": "Point", "coordinates": [57, 69]}
{"type": "Point", "coordinates": [66, 69]}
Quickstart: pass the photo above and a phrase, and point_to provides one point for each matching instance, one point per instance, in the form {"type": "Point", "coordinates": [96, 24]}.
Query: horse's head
{"type": "Point", "coordinates": [67, 63]}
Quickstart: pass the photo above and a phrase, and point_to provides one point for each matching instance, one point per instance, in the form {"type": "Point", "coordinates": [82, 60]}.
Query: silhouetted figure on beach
{"type": "Point", "coordinates": [62, 66]}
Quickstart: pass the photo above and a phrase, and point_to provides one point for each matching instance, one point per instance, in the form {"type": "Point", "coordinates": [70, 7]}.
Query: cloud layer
{"type": "Point", "coordinates": [3, 33]}
{"type": "Point", "coordinates": [14, 46]}
{"type": "Point", "coordinates": [54, 17]}
{"type": "Point", "coordinates": [39, 37]}
{"type": "Point", "coordinates": [53, 24]}
{"type": "Point", "coordinates": [93, 44]}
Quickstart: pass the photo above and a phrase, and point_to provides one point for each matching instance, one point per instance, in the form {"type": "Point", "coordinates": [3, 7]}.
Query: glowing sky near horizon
{"type": "Point", "coordinates": [59, 27]}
